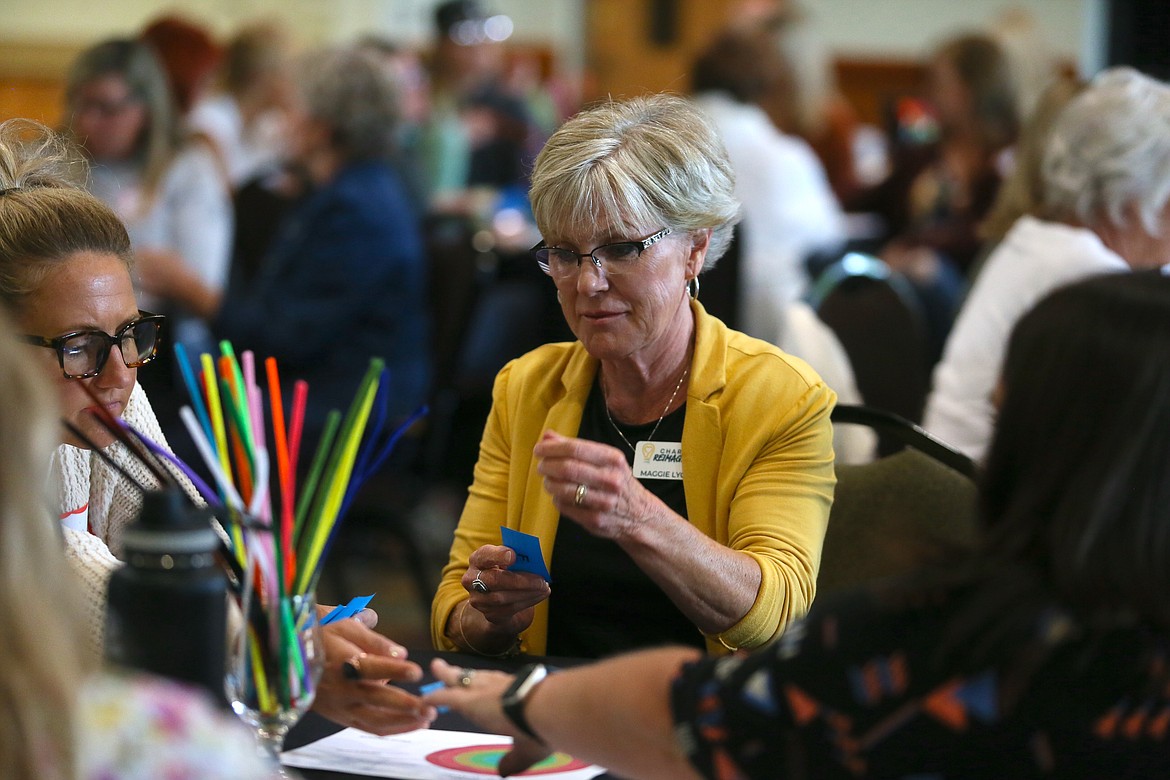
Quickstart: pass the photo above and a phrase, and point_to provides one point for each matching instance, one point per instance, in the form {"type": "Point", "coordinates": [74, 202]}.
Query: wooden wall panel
{"type": "Point", "coordinates": [624, 60]}
{"type": "Point", "coordinates": [870, 86]}
{"type": "Point", "coordinates": [32, 77]}
{"type": "Point", "coordinates": [31, 98]}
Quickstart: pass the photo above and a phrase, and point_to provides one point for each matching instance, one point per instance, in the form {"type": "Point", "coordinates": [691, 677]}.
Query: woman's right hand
{"type": "Point", "coordinates": [359, 662]}
{"type": "Point", "coordinates": [508, 603]}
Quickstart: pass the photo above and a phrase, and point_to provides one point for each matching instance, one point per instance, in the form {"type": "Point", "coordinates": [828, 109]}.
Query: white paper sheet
{"type": "Point", "coordinates": [426, 754]}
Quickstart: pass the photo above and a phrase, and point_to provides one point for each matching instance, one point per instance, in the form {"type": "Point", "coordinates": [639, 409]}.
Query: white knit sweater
{"type": "Point", "coordinates": [97, 503]}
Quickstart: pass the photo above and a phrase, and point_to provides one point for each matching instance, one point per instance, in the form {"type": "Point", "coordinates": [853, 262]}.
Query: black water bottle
{"type": "Point", "coordinates": [167, 609]}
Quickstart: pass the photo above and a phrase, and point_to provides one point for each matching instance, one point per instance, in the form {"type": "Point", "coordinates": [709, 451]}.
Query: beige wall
{"type": "Point", "coordinates": [898, 28]}
{"type": "Point", "coordinates": [39, 37]}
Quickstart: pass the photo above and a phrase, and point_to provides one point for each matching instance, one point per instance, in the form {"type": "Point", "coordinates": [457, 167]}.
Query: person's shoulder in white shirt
{"type": "Point", "coordinates": [1034, 258]}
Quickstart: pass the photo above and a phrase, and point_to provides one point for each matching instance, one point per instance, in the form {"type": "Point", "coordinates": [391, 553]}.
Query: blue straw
{"type": "Point", "coordinates": [196, 396]}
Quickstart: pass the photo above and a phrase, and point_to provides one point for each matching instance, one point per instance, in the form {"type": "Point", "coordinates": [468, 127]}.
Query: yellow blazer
{"type": "Point", "coordinates": [757, 469]}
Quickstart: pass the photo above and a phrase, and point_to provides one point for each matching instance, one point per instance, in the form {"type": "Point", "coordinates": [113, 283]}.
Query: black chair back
{"type": "Point", "coordinates": [879, 322]}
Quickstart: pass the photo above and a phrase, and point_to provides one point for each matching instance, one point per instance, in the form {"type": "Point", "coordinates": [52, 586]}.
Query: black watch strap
{"type": "Point", "coordinates": [516, 697]}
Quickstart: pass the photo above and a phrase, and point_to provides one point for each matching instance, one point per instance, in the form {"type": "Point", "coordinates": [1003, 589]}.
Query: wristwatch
{"type": "Point", "coordinates": [513, 699]}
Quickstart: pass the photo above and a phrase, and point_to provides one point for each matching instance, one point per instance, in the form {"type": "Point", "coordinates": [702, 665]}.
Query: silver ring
{"type": "Point", "coordinates": [477, 584]}
{"type": "Point", "coordinates": [466, 678]}
{"type": "Point", "coordinates": [582, 491]}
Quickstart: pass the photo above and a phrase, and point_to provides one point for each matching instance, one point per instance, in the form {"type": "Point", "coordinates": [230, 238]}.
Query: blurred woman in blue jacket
{"type": "Point", "coordinates": [345, 278]}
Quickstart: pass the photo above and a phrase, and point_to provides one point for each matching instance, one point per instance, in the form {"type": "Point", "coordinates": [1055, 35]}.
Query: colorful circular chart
{"type": "Point", "coordinates": [483, 760]}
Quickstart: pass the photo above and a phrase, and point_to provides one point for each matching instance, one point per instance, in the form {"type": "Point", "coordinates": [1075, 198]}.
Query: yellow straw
{"type": "Point", "coordinates": [263, 694]}
{"type": "Point", "coordinates": [211, 380]}
{"type": "Point", "coordinates": [337, 487]}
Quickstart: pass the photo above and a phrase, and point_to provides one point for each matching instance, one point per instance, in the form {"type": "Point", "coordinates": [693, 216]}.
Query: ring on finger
{"type": "Point", "coordinates": [479, 585]}
{"type": "Point", "coordinates": [466, 677]}
{"type": "Point", "coordinates": [582, 491]}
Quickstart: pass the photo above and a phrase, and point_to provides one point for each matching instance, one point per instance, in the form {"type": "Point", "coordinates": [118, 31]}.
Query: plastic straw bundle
{"type": "Point", "coordinates": [279, 539]}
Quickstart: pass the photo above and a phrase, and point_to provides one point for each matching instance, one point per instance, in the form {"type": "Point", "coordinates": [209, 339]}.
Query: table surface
{"type": "Point", "coordinates": [313, 727]}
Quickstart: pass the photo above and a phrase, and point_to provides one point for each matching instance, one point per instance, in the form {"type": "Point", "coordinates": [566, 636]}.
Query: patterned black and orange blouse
{"type": "Point", "coordinates": [862, 688]}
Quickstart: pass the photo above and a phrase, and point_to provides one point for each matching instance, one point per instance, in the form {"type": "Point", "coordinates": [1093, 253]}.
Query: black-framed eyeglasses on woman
{"type": "Point", "coordinates": [83, 353]}
{"type": "Point", "coordinates": [617, 258]}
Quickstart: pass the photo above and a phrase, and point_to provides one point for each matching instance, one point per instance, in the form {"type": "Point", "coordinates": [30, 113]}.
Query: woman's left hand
{"type": "Point", "coordinates": [592, 484]}
{"type": "Point", "coordinates": [479, 700]}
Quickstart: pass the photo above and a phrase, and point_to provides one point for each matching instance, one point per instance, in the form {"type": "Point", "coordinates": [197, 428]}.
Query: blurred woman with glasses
{"type": "Point", "coordinates": [165, 186]}
{"type": "Point", "coordinates": [678, 474]}
{"type": "Point", "coordinates": [65, 275]}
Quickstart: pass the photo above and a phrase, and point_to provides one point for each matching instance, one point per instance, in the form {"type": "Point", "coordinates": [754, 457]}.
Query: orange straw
{"type": "Point", "coordinates": [282, 465]}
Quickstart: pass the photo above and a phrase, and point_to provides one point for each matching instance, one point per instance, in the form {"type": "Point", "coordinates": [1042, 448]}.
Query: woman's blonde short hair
{"type": "Point", "coordinates": [45, 215]}
{"type": "Point", "coordinates": [648, 162]}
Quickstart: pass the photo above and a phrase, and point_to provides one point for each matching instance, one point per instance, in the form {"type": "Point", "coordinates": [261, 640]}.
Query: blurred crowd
{"type": "Point", "coordinates": [271, 193]}
{"type": "Point", "coordinates": [286, 199]}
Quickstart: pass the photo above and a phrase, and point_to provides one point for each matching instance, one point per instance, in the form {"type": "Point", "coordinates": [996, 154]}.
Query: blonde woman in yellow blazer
{"type": "Point", "coordinates": [634, 201]}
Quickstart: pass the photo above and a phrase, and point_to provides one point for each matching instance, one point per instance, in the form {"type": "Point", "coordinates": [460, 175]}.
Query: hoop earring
{"type": "Point", "coordinates": [693, 287]}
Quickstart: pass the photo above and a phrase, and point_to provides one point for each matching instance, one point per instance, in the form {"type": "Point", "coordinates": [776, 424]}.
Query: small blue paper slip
{"type": "Point", "coordinates": [343, 611]}
{"type": "Point", "coordinates": [528, 555]}
{"type": "Point", "coordinates": [434, 686]}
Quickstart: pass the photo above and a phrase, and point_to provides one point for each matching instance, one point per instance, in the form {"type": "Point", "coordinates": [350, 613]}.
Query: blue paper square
{"type": "Point", "coordinates": [528, 555]}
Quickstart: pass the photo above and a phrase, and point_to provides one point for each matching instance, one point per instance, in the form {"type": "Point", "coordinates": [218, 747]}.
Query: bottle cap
{"type": "Point", "coordinates": [168, 523]}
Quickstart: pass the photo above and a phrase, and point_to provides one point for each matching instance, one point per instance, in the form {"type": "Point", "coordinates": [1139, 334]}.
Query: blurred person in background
{"type": "Point", "coordinates": [246, 121]}
{"type": "Point", "coordinates": [190, 56]}
{"type": "Point", "coordinates": [809, 105]}
{"type": "Point", "coordinates": [479, 138]}
{"type": "Point", "coordinates": [789, 212]}
{"type": "Point", "coordinates": [1104, 207]}
{"type": "Point", "coordinates": [937, 193]}
{"type": "Point", "coordinates": [345, 278]}
{"type": "Point", "coordinates": [405, 69]}
{"type": "Point", "coordinates": [1022, 192]}
{"type": "Point", "coordinates": [246, 116]}
{"type": "Point", "coordinates": [165, 186]}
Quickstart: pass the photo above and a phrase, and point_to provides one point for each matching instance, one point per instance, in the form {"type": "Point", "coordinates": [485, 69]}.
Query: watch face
{"type": "Point", "coordinates": [513, 699]}
{"type": "Point", "coordinates": [526, 680]}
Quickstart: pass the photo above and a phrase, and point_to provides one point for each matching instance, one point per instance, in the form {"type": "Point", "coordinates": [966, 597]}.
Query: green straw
{"type": "Point", "coordinates": [313, 538]}
{"type": "Point", "coordinates": [336, 494]}
{"type": "Point", "coordinates": [310, 487]}
{"type": "Point", "coordinates": [239, 419]}
{"type": "Point", "coordinates": [241, 392]}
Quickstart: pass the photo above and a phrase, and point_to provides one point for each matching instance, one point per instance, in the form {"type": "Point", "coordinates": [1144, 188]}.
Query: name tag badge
{"type": "Point", "coordinates": [658, 460]}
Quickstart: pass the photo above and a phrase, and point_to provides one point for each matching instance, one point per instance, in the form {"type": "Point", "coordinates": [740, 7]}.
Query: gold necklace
{"type": "Point", "coordinates": [605, 402]}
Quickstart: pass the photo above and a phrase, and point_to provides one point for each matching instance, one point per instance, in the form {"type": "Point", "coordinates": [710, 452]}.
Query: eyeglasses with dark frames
{"type": "Point", "coordinates": [616, 258]}
{"type": "Point", "coordinates": [83, 353]}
